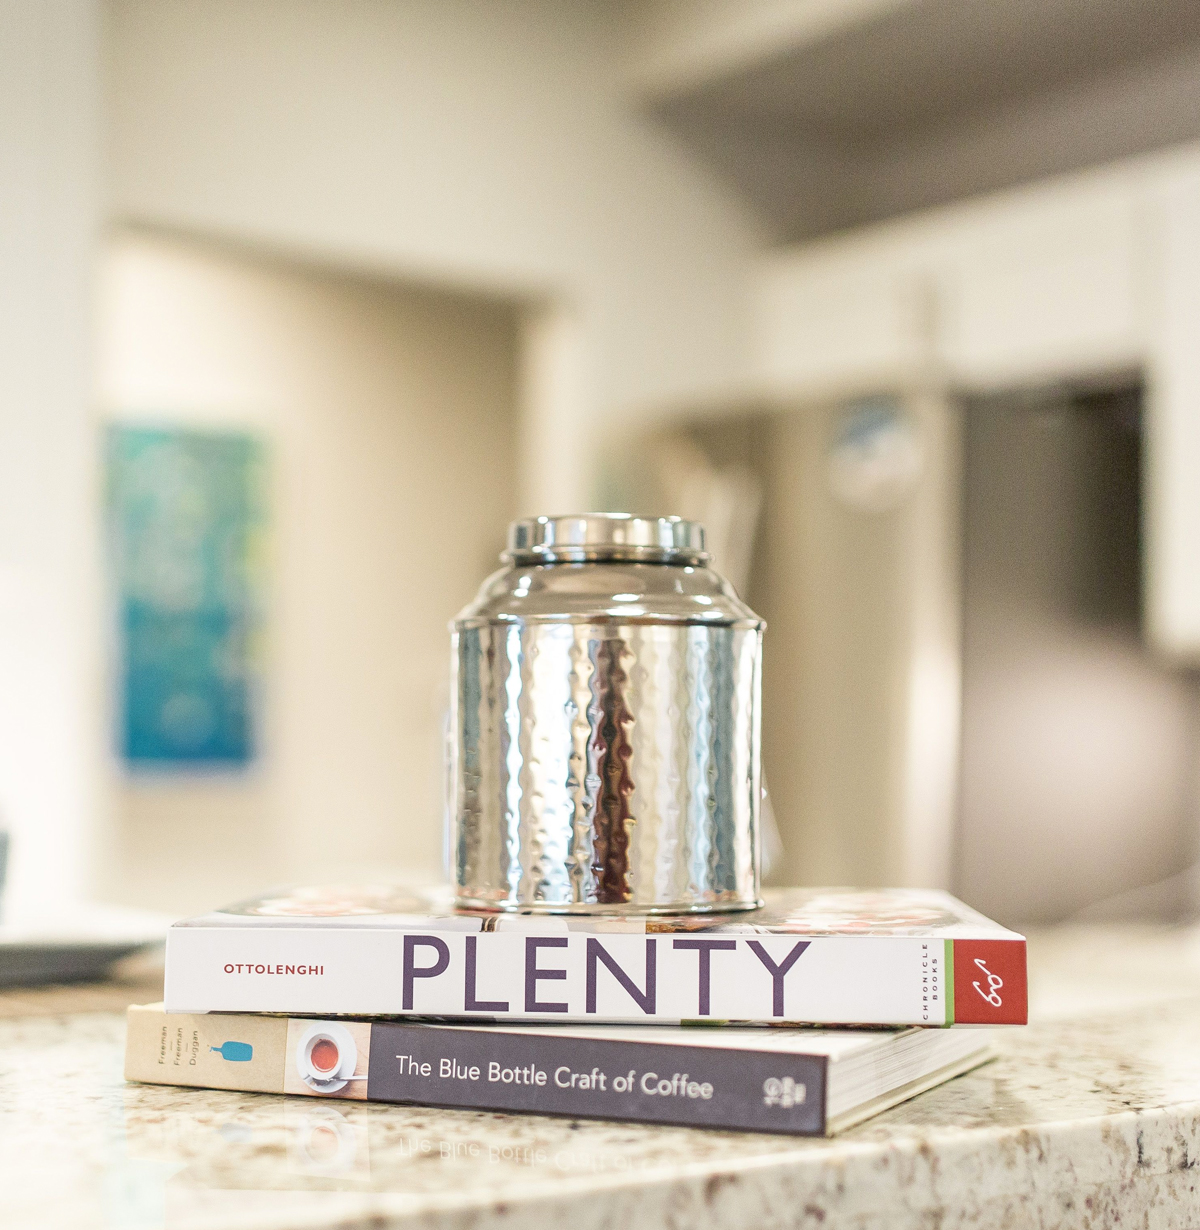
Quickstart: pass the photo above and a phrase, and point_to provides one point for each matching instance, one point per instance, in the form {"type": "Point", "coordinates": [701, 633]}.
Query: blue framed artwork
{"type": "Point", "coordinates": [187, 516]}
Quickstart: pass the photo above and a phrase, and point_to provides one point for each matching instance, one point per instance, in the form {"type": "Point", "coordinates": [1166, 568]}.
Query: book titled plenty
{"type": "Point", "coordinates": [805, 1082]}
{"type": "Point", "coordinates": [819, 956]}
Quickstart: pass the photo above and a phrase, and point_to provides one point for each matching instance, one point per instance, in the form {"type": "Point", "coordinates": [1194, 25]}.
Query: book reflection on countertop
{"type": "Point", "coordinates": [812, 956]}
{"type": "Point", "coordinates": [806, 1082]}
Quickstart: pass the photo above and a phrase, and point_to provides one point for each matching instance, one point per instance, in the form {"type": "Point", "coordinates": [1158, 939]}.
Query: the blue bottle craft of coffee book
{"type": "Point", "coordinates": [805, 1082]}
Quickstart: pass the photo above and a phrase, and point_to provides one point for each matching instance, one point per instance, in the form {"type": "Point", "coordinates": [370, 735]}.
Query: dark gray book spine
{"type": "Point", "coordinates": [694, 1086]}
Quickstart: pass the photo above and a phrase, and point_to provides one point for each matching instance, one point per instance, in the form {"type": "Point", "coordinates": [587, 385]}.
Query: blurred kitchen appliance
{"type": "Point", "coordinates": [1078, 744]}
{"type": "Point", "coordinates": [606, 724]}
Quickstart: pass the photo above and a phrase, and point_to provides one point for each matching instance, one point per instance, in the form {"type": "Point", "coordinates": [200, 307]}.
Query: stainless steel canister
{"type": "Point", "coordinates": [606, 725]}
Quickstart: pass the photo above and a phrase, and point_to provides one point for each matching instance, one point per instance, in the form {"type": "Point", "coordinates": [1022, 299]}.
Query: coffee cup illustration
{"type": "Point", "coordinates": [326, 1056]}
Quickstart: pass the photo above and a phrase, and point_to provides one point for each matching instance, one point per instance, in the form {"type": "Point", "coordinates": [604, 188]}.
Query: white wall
{"type": "Point", "coordinates": [454, 142]}
{"type": "Point", "coordinates": [49, 215]}
{"type": "Point", "coordinates": [390, 418]}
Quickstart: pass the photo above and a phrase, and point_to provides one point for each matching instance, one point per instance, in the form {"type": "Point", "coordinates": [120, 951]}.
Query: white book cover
{"type": "Point", "coordinates": [818, 956]}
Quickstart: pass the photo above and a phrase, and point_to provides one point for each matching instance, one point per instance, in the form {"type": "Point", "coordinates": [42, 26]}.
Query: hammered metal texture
{"type": "Point", "coordinates": [600, 766]}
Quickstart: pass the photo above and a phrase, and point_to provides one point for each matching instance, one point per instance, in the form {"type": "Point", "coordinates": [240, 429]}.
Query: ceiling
{"type": "Point", "coordinates": [934, 99]}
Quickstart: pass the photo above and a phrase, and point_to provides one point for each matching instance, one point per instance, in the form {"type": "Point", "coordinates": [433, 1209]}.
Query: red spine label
{"type": "Point", "coordinates": [989, 982]}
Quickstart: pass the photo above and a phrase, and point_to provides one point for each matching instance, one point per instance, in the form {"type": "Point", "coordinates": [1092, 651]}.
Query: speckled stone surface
{"type": "Point", "coordinates": [1089, 1118]}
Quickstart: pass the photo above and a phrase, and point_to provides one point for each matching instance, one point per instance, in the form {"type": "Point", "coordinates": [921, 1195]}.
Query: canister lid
{"type": "Point", "coordinates": [579, 537]}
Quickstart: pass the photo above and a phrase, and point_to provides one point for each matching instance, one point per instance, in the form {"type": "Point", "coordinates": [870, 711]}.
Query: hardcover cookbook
{"type": "Point", "coordinates": [806, 1082]}
{"type": "Point", "coordinates": [808, 956]}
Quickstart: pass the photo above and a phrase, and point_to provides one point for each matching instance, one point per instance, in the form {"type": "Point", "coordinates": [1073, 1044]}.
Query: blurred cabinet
{"type": "Point", "coordinates": [1044, 284]}
{"type": "Point", "coordinates": [1041, 288]}
{"type": "Point", "coordinates": [841, 318]}
{"type": "Point", "coordinates": [1172, 440]}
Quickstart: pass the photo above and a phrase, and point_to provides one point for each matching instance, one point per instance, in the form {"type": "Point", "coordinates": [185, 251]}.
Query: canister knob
{"type": "Point", "coordinates": [581, 537]}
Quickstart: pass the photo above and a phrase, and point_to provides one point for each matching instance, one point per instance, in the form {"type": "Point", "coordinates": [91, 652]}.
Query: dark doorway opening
{"type": "Point", "coordinates": [1079, 748]}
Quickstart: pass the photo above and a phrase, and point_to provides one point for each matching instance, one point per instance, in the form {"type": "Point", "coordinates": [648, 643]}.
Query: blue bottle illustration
{"type": "Point", "coordinates": [234, 1052]}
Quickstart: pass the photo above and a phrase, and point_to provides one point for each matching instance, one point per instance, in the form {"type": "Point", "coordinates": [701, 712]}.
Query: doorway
{"type": "Point", "coordinates": [1079, 749]}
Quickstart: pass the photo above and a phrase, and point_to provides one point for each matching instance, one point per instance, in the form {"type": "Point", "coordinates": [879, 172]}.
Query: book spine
{"type": "Point", "coordinates": [209, 1051]}
{"type": "Point", "coordinates": [986, 982]}
{"type": "Point", "coordinates": [651, 1082]}
{"type": "Point", "coordinates": [607, 977]}
{"type": "Point", "coordinates": [497, 1070]}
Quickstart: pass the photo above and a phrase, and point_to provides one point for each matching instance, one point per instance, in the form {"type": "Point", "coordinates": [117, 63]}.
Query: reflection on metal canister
{"type": "Point", "coordinates": [605, 751]}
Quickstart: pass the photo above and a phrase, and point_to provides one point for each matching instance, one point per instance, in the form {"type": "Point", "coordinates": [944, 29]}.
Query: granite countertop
{"type": "Point", "coordinates": [1090, 1117]}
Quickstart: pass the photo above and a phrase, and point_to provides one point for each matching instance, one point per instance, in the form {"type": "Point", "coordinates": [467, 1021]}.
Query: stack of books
{"type": "Point", "coordinates": [805, 1016]}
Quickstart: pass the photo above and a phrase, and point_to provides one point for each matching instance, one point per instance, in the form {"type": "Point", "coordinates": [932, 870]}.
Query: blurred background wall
{"type": "Point", "coordinates": [390, 419]}
{"type": "Point", "coordinates": [818, 272]}
{"type": "Point", "coordinates": [489, 146]}
{"type": "Point", "coordinates": [52, 738]}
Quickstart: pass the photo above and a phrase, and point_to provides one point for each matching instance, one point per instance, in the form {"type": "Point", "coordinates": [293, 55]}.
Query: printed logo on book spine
{"type": "Point", "coordinates": [989, 982]}
{"type": "Point", "coordinates": [784, 1092]}
{"type": "Point", "coordinates": [288, 970]}
{"type": "Point", "coordinates": [994, 983]}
